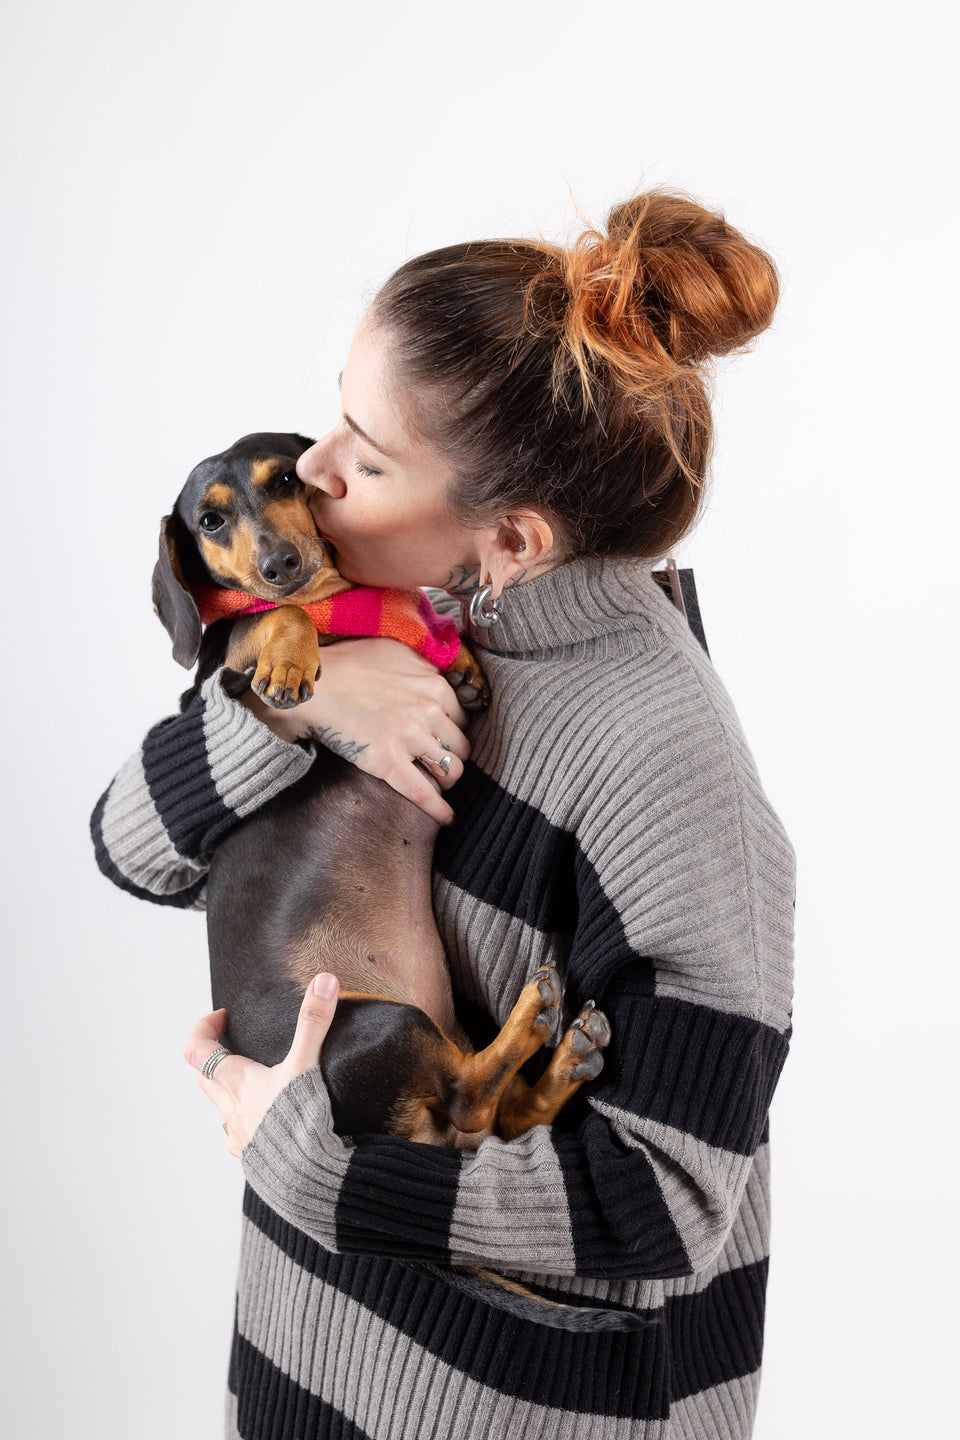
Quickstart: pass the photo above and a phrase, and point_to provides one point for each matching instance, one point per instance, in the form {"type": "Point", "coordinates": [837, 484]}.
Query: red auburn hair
{"type": "Point", "coordinates": [574, 379]}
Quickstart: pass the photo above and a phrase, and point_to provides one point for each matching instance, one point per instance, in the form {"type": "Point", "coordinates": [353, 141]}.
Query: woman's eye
{"type": "Point", "coordinates": [366, 469]}
{"type": "Point", "coordinates": [210, 520]}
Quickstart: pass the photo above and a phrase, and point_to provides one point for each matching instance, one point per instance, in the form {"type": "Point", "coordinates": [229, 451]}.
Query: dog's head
{"type": "Point", "coordinates": [240, 522]}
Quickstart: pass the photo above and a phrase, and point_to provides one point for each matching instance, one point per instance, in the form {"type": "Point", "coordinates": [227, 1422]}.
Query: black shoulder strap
{"type": "Point", "coordinates": [681, 588]}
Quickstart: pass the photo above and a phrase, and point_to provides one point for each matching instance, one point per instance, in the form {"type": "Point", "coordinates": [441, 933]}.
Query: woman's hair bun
{"type": "Point", "coordinates": [671, 283]}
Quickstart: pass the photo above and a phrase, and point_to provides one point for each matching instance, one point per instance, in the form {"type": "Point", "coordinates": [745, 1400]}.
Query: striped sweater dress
{"type": "Point", "coordinates": [611, 820]}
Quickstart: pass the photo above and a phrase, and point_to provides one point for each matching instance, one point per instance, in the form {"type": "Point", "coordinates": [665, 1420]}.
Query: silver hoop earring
{"type": "Point", "coordinates": [484, 615]}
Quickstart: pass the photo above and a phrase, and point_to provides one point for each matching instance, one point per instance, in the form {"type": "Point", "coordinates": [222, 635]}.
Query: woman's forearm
{"type": "Point", "coordinates": [194, 778]}
{"type": "Point", "coordinates": [198, 774]}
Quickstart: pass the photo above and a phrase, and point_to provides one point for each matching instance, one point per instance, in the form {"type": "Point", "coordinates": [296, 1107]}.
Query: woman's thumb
{"type": "Point", "coordinates": [316, 1015]}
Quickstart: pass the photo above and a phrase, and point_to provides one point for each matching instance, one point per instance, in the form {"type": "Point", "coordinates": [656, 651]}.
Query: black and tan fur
{"type": "Point", "coordinates": [335, 873]}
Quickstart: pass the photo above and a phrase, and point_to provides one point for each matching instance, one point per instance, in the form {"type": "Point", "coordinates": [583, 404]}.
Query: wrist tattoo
{"type": "Point", "coordinates": [348, 749]}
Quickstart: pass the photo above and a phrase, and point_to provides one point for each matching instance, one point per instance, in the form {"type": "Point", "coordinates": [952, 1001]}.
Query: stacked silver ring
{"type": "Point", "coordinates": [213, 1060]}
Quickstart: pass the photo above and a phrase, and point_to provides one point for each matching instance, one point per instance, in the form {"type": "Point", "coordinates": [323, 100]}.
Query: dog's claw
{"type": "Point", "coordinates": [586, 1036]}
{"type": "Point", "coordinates": [548, 984]}
{"type": "Point", "coordinates": [282, 681]}
{"type": "Point", "coordinates": [550, 994]}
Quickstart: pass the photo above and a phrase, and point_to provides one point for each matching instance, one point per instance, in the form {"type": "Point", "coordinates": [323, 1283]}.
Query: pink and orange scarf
{"type": "Point", "coordinates": [404, 615]}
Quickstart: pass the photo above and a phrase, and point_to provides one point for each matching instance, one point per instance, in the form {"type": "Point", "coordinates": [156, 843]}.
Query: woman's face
{"type": "Point", "coordinates": [380, 495]}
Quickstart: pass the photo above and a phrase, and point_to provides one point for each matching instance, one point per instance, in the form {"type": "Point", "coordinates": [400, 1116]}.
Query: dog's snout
{"type": "Point", "coordinates": [282, 565]}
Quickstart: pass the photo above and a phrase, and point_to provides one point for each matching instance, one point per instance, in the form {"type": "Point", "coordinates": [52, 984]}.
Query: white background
{"type": "Point", "coordinates": [200, 198]}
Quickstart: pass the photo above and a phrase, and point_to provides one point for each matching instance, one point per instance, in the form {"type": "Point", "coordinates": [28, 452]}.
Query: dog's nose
{"type": "Point", "coordinates": [282, 565]}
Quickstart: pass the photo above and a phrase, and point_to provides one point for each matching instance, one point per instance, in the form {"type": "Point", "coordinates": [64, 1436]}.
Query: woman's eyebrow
{"type": "Point", "coordinates": [364, 436]}
{"type": "Point", "coordinates": [362, 433]}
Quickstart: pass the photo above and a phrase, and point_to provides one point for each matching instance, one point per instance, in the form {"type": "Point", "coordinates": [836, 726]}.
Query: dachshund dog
{"type": "Point", "coordinates": [335, 873]}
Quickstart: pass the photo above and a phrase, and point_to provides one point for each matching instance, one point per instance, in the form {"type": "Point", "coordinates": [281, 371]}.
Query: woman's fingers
{"type": "Point", "coordinates": [387, 710]}
{"type": "Point", "coordinates": [202, 1041]}
{"type": "Point", "coordinates": [440, 765]}
{"type": "Point", "coordinates": [411, 779]}
{"type": "Point", "coordinates": [242, 1089]}
{"type": "Point", "coordinates": [204, 1038]}
{"type": "Point", "coordinates": [313, 1022]}
{"type": "Point", "coordinates": [450, 738]}
{"type": "Point", "coordinates": [451, 705]}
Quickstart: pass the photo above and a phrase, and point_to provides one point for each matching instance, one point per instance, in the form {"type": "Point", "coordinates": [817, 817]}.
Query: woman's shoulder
{"type": "Point", "coordinates": [604, 639]}
{"type": "Point", "coordinates": [618, 699]}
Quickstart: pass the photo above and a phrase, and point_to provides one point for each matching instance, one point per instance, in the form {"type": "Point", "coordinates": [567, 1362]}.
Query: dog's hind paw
{"type": "Point", "coordinates": [469, 684]}
{"type": "Point", "coordinates": [588, 1034]}
{"type": "Point", "coordinates": [551, 994]}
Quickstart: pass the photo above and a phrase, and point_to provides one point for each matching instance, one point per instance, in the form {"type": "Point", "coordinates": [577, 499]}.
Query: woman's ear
{"type": "Point", "coordinates": [521, 544]}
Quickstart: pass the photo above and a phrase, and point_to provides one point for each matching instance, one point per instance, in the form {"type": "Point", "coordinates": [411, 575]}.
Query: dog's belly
{"type": "Point", "coordinates": [332, 875]}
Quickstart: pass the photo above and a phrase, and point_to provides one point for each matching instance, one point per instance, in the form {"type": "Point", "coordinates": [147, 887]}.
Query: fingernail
{"type": "Point", "coordinates": [325, 986]}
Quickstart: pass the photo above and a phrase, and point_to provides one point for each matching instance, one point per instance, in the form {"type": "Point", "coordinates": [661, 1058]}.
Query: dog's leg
{"type": "Point", "coordinates": [577, 1058]}
{"type": "Point", "coordinates": [282, 645]}
{"type": "Point", "coordinates": [483, 1078]}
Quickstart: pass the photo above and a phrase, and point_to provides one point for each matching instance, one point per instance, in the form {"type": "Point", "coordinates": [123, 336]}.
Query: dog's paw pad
{"type": "Point", "coordinates": [587, 1035]}
{"type": "Point", "coordinates": [597, 1026]}
{"type": "Point", "coordinates": [470, 688]}
{"type": "Point", "coordinates": [589, 1067]}
{"type": "Point", "coordinates": [548, 986]}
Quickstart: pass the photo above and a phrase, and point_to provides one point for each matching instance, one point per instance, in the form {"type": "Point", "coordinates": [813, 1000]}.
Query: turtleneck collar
{"type": "Point", "coordinates": [577, 601]}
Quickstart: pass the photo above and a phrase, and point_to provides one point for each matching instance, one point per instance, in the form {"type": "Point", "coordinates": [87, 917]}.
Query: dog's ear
{"type": "Point", "coordinates": [172, 599]}
{"type": "Point", "coordinates": [303, 442]}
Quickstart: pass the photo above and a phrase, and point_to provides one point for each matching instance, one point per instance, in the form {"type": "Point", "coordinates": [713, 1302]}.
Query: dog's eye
{"type": "Point", "coordinates": [291, 480]}
{"type": "Point", "coordinates": [210, 521]}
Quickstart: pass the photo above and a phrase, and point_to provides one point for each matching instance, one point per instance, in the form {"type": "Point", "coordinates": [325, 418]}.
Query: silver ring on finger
{"type": "Point", "coordinates": [442, 765]}
{"type": "Point", "coordinates": [213, 1060]}
{"type": "Point", "coordinates": [443, 745]}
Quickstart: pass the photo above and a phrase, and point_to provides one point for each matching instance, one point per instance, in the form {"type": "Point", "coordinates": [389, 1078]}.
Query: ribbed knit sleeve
{"type": "Point", "coordinates": [195, 776]}
{"type": "Point", "coordinates": [642, 827]}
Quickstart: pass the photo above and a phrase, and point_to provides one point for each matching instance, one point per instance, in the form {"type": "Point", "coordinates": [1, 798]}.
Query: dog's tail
{"type": "Point", "coordinates": [515, 1299]}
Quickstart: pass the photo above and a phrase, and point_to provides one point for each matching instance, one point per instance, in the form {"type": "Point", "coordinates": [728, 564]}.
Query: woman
{"type": "Point", "coordinates": [527, 427]}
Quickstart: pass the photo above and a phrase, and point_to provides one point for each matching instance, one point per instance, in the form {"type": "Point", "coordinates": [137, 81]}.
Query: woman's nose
{"type": "Point", "coordinates": [315, 468]}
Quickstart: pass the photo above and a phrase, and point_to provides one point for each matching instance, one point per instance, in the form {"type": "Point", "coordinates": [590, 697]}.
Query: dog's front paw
{"type": "Point", "coordinates": [282, 684]}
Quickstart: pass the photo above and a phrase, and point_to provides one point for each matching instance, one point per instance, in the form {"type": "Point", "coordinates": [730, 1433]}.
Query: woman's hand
{"type": "Point", "coordinates": [382, 706]}
{"type": "Point", "coordinates": [242, 1090]}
